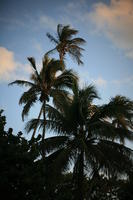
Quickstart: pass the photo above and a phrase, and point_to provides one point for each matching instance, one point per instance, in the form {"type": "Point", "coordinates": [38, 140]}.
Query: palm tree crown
{"type": "Point", "coordinates": [45, 84]}
{"type": "Point", "coordinates": [89, 138]}
{"type": "Point", "coordinates": [65, 43]}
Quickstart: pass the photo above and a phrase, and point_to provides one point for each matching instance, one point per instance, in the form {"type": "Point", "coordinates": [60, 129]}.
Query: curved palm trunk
{"type": "Point", "coordinates": [34, 132]}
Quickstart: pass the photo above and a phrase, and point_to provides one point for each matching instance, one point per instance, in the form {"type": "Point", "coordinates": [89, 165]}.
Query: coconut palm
{"type": "Point", "coordinates": [88, 140]}
{"type": "Point", "coordinates": [123, 120]}
{"type": "Point", "coordinates": [45, 84]}
{"type": "Point", "coordinates": [65, 43]}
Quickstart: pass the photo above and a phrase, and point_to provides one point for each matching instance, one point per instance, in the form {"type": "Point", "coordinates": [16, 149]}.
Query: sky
{"type": "Point", "coordinates": [106, 25]}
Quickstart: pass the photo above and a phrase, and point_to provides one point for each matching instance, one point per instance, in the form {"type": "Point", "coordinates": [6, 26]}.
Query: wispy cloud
{"type": "Point", "coordinates": [125, 81]}
{"type": "Point", "coordinates": [72, 13]}
{"type": "Point", "coordinates": [37, 46]}
{"type": "Point", "coordinates": [99, 82]}
{"type": "Point", "coordinates": [86, 79]}
{"type": "Point", "coordinates": [49, 22]}
{"type": "Point", "coordinates": [13, 23]}
{"type": "Point", "coordinates": [10, 69]}
{"type": "Point", "coordinates": [116, 22]}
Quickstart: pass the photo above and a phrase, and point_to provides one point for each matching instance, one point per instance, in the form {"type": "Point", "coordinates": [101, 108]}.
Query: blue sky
{"type": "Point", "coordinates": [107, 26]}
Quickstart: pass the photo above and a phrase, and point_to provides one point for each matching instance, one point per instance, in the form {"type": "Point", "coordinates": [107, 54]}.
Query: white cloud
{"type": "Point", "coordinates": [86, 79]}
{"type": "Point", "coordinates": [100, 82]}
{"type": "Point", "coordinates": [7, 62]}
{"type": "Point", "coordinates": [116, 22]}
{"type": "Point", "coordinates": [10, 69]}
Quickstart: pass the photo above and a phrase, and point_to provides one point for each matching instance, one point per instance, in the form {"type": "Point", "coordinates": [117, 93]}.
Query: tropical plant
{"type": "Point", "coordinates": [23, 174]}
{"type": "Point", "coordinates": [49, 82]}
{"type": "Point", "coordinates": [88, 140]}
{"type": "Point", "coordinates": [20, 170]}
{"type": "Point", "coordinates": [65, 43]}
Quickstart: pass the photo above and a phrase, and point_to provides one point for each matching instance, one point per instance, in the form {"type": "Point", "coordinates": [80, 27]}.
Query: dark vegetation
{"type": "Point", "coordinates": [86, 159]}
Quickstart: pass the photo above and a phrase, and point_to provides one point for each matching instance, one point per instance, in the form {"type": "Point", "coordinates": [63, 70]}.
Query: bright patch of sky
{"type": "Point", "coordinates": [107, 26]}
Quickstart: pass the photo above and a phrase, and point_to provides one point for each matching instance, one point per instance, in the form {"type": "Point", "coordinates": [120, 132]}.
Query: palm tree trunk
{"type": "Point", "coordinates": [44, 130]}
{"type": "Point", "coordinates": [81, 178]}
{"type": "Point", "coordinates": [61, 57]}
{"type": "Point", "coordinates": [33, 135]}
{"type": "Point", "coordinates": [93, 179]}
{"type": "Point", "coordinates": [79, 175]}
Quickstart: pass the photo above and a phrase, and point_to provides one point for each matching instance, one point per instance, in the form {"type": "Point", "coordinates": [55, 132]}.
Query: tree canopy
{"type": "Point", "coordinates": [86, 158]}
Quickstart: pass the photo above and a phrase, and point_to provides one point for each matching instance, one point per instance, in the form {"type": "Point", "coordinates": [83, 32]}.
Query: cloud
{"type": "Point", "coordinates": [86, 79]}
{"type": "Point", "coordinates": [100, 82]}
{"type": "Point", "coordinates": [125, 81]}
{"type": "Point", "coordinates": [10, 69]}
{"type": "Point", "coordinates": [74, 12]}
{"type": "Point", "coordinates": [48, 22]}
{"type": "Point", "coordinates": [116, 22]}
{"type": "Point", "coordinates": [7, 63]}
{"type": "Point", "coordinates": [68, 13]}
{"type": "Point", "coordinates": [37, 46]}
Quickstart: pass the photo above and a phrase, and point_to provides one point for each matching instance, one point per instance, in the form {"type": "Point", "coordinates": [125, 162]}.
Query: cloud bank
{"type": "Point", "coordinates": [10, 69]}
{"type": "Point", "coordinates": [116, 22]}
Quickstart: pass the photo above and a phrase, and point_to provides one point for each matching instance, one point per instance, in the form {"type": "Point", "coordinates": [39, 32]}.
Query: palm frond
{"type": "Point", "coordinates": [45, 62]}
{"type": "Point", "coordinates": [27, 107]}
{"type": "Point", "coordinates": [55, 143]}
{"type": "Point", "coordinates": [56, 118]}
{"type": "Point", "coordinates": [66, 79]}
{"type": "Point", "coordinates": [31, 94]}
{"type": "Point", "coordinates": [33, 123]}
{"type": "Point", "coordinates": [76, 55]}
{"type": "Point", "coordinates": [67, 33]}
{"type": "Point", "coordinates": [32, 62]}
{"type": "Point", "coordinates": [64, 159]}
{"type": "Point", "coordinates": [119, 157]}
{"type": "Point", "coordinates": [52, 68]}
{"type": "Point", "coordinates": [88, 93]}
{"type": "Point", "coordinates": [102, 129]}
{"type": "Point", "coordinates": [22, 83]}
{"type": "Point", "coordinates": [59, 30]}
{"type": "Point", "coordinates": [51, 51]}
{"type": "Point", "coordinates": [60, 97]}
{"type": "Point", "coordinates": [52, 39]}
{"type": "Point", "coordinates": [77, 41]}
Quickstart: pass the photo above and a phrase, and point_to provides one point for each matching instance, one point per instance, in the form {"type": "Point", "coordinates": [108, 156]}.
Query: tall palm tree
{"type": "Point", "coordinates": [65, 43]}
{"type": "Point", "coordinates": [88, 139]}
{"type": "Point", "coordinates": [45, 84]}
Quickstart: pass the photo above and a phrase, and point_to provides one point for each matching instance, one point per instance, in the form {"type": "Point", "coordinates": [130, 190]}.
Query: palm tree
{"type": "Point", "coordinates": [119, 120]}
{"type": "Point", "coordinates": [88, 138]}
{"type": "Point", "coordinates": [65, 43]}
{"type": "Point", "coordinates": [45, 84]}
